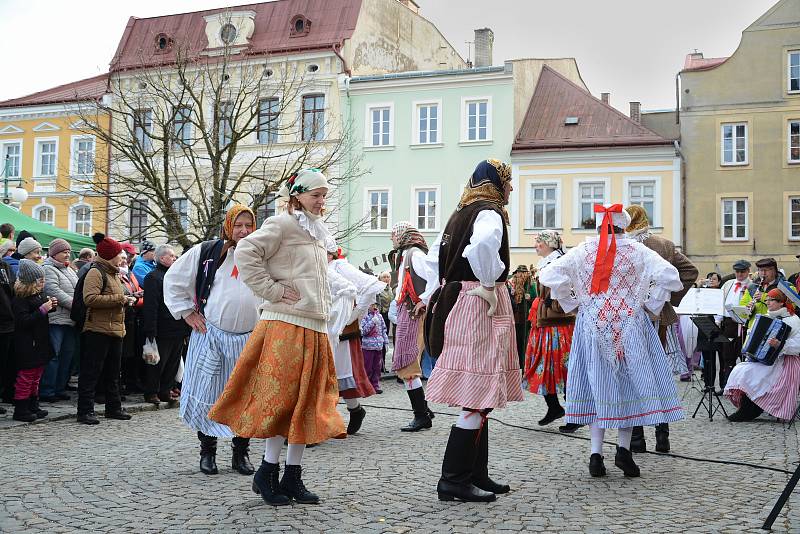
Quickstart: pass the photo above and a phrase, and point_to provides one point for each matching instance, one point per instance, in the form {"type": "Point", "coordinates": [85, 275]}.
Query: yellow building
{"type": "Point", "coordinates": [46, 150]}
{"type": "Point", "coordinates": [573, 151]}
{"type": "Point", "coordinates": [740, 135]}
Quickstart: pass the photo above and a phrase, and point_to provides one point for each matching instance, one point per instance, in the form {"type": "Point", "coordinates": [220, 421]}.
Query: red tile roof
{"type": "Point", "coordinates": [80, 91]}
{"type": "Point", "coordinates": [698, 62]}
{"type": "Point", "coordinates": [599, 125]}
{"type": "Point", "coordinates": [332, 21]}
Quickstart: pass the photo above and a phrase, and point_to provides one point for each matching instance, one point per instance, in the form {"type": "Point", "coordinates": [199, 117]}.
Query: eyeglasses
{"type": "Point", "coordinates": [774, 300]}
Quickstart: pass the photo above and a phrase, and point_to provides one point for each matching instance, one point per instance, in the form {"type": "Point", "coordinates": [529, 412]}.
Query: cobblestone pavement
{"type": "Point", "coordinates": [142, 476]}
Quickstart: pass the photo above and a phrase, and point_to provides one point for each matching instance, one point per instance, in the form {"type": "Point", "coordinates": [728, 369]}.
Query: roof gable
{"type": "Point", "coordinates": [598, 125]}
{"type": "Point", "coordinates": [784, 13]}
{"type": "Point", "coordinates": [80, 91]}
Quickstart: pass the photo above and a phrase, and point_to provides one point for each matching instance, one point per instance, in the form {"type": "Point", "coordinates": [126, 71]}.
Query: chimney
{"type": "Point", "coordinates": [636, 112]}
{"type": "Point", "coordinates": [484, 39]}
{"type": "Point", "coordinates": [605, 98]}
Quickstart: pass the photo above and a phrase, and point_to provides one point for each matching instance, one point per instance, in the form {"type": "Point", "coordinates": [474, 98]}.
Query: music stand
{"type": "Point", "coordinates": [709, 328]}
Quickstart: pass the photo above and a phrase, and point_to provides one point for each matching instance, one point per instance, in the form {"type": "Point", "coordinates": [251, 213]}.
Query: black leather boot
{"type": "Point", "coordinates": [265, 483]}
{"type": "Point", "coordinates": [638, 443]}
{"type": "Point", "coordinates": [35, 409]}
{"type": "Point", "coordinates": [292, 485]}
{"type": "Point", "coordinates": [480, 471]}
{"type": "Point", "coordinates": [662, 437]}
{"type": "Point", "coordinates": [208, 454]}
{"type": "Point", "coordinates": [356, 418]}
{"type": "Point", "coordinates": [422, 416]}
{"type": "Point", "coordinates": [624, 460]}
{"type": "Point", "coordinates": [569, 428]}
{"type": "Point", "coordinates": [748, 410]}
{"type": "Point", "coordinates": [596, 466]}
{"type": "Point", "coordinates": [554, 410]}
{"type": "Point", "coordinates": [22, 411]}
{"type": "Point", "coordinates": [457, 469]}
{"type": "Point", "coordinates": [240, 460]}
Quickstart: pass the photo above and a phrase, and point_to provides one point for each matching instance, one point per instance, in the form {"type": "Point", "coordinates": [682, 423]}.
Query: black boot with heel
{"type": "Point", "coordinates": [457, 469]}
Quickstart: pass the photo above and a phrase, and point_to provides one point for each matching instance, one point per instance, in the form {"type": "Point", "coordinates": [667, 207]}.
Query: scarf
{"type": "Point", "coordinates": [227, 226]}
{"type": "Point", "coordinates": [411, 238]}
{"type": "Point", "coordinates": [486, 184]}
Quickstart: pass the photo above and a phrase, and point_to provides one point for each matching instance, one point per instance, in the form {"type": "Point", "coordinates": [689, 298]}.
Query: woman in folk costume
{"type": "Point", "coordinates": [523, 292]}
{"type": "Point", "coordinates": [619, 376]}
{"type": "Point", "coordinates": [411, 282]}
{"type": "Point", "coordinates": [471, 327]}
{"type": "Point", "coordinates": [203, 287]}
{"type": "Point", "coordinates": [284, 384]}
{"type": "Point", "coordinates": [551, 335]}
{"type": "Point", "coordinates": [754, 387]}
{"type": "Point", "coordinates": [352, 292]}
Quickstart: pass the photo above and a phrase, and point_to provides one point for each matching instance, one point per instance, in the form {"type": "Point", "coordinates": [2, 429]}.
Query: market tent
{"type": "Point", "coordinates": [44, 232]}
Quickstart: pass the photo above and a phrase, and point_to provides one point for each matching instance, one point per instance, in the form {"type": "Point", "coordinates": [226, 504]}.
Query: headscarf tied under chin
{"type": "Point", "coordinates": [227, 226]}
{"type": "Point", "coordinates": [410, 237]}
{"type": "Point", "coordinates": [487, 183]}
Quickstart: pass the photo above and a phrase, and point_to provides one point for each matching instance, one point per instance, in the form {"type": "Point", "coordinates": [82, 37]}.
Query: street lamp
{"type": "Point", "coordinates": [14, 194]}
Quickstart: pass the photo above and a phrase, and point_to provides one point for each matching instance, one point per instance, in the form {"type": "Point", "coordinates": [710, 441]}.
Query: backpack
{"type": "Point", "coordinates": [78, 311]}
{"type": "Point", "coordinates": [209, 262]}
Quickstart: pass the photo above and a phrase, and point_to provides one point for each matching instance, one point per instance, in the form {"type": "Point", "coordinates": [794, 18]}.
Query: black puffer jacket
{"type": "Point", "coordinates": [32, 332]}
{"type": "Point", "coordinates": [6, 296]}
{"type": "Point", "coordinates": [158, 321]}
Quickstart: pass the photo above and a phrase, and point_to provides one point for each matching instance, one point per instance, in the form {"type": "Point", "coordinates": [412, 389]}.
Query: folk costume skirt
{"type": "Point", "coordinates": [546, 356]}
{"type": "Point", "coordinates": [407, 349]}
{"type": "Point", "coordinates": [479, 365]}
{"type": "Point", "coordinates": [358, 386]}
{"type": "Point", "coordinates": [773, 388]}
{"type": "Point", "coordinates": [284, 384]}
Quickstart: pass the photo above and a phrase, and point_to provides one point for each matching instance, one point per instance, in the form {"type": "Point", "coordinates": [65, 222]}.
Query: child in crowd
{"type": "Point", "coordinates": [31, 339]}
{"type": "Point", "coordinates": [374, 340]}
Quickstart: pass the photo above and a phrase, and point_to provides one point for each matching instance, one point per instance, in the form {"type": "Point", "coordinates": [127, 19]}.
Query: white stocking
{"type": "Point", "coordinates": [624, 437]}
{"type": "Point", "coordinates": [272, 454]}
{"type": "Point", "coordinates": [352, 404]}
{"type": "Point", "coordinates": [294, 453]}
{"type": "Point", "coordinates": [469, 420]}
{"type": "Point", "coordinates": [598, 434]}
{"type": "Point", "coordinates": [414, 383]}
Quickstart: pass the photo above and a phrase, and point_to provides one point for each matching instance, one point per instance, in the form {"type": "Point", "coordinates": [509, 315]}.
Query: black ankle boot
{"type": "Point", "coordinates": [554, 410]}
{"type": "Point", "coordinates": [624, 460]}
{"type": "Point", "coordinates": [208, 454]}
{"type": "Point", "coordinates": [596, 466]}
{"type": "Point", "coordinates": [35, 409]}
{"type": "Point", "coordinates": [422, 416]}
{"type": "Point", "coordinates": [265, 483]}
{"type": "Point", "coordinates": [292, 485]}
{"type": "Point", "coordinates": [662, 437]}
{"type": "Point", "coordinates": [569, 428]}
{"type": "Point", "coordinates": [240, 460]}
{"type": "Point", "coordinates": [480, 470]}
{"type": "Point", "coordinates": [748, 410]}
{"type": "Point", "coordinates": [356, 418]}
{"type": "Point", "coordinates": [22, 411]}
{"type": "Point", "coordinates": [457, 471]}
{"type": "Point", "coordinates": [638, 443]}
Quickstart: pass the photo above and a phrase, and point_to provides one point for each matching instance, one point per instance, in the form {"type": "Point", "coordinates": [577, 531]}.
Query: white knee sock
{"type": "Point", "coordinates": [294, 453]}
{"type": "Point", "coordinates": [624, 437]}
{"type": "Point", "coordinates": [352, 404]}
{"type": "Point", "coordinates": [413, 384]}
{"type": "Point", "coordinates": [469, 420]}
{"type": "Point", "coordinates": [598, 434]}
{"type": "Point", "coordinates": [272, 454]}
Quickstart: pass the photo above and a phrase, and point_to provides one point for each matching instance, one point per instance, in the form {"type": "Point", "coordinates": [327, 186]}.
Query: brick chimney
{"type": "Point", "coordinates": [484, 39]}
{"type": "Point", "coordinates": [605, 97]}
{"type": "Point", "coordinates": [636, 112]}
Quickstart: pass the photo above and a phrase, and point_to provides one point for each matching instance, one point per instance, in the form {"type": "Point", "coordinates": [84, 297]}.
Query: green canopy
{"type": "Point", "coordinates": [43, 232]}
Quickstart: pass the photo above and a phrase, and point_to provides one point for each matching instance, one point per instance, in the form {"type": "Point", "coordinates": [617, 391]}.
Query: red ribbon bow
{"type": "Point", "coordinates": [605, 252]}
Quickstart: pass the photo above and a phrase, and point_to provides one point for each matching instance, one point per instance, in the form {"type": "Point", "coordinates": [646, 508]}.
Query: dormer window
{"type": "Point", "coordinates": [299, 26]}
{"type": "Point", "coordinates": [163, 43]}
{"type": "Point", "coordinates": [228, 33]}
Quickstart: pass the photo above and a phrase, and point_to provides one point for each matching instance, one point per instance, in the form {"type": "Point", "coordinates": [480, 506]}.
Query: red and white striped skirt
{"type": "Point", "coordinates": [479, 365]}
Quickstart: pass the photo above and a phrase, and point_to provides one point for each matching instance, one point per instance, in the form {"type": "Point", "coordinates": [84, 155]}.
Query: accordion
{"type": "Point", "coordinates": [756, 348]}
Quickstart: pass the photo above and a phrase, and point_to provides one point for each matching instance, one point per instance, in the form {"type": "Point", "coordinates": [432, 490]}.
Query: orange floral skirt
{"type": "Point", "coordinates": [284, 384]}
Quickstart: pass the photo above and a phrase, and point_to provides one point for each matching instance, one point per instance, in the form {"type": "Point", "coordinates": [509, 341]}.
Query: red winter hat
{"type": "Point", "coordinates": [107, 248]}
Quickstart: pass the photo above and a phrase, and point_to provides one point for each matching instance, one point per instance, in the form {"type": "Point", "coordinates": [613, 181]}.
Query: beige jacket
{"type": "Point", "coordinates": [105, 311]}
{"type": "Point", "coordinates": [282, 254]}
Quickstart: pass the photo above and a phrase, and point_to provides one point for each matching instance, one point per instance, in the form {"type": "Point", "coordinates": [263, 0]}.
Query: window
{"type": "Point", "coordinates": [543, 206]}
{"type": "Point", "coordinates": [142, 127]}
{"type": "Point", "coordinates": [82, 220]}
{"type": "Point", "coordinates": [378, 209]}
{"type": "Point", "coordinates": [734, 219]}
{"type": "Point", "coordinates": [794, 70]}
{"type": "Point", "coordinates": [425, 212]}
{"type": "Point", "coordinates": [45, 214]}
{"type": "Point", "coordinates": [590, 194]}
{"type": "Point", "coordinates": [138, 220]}
{"type": "Point", "coordinates": [794, 217]}
{"type": "Point", "coordinates": [379, 126]}
{"type": "Point", "coordinates": [269, 208]}
{"type": "Point", "coordinates": [228, 33]}
{"type": "Point", "coordinates": [12, 159]}
{"type": "Point", "coordinates": [181, 205]}
{"type": "Point", "coordinates": [477, 120]}
{"type": "Point", "coordinates": [268, 112]}
{"type": "Point", "coordinates": [794, 141]}
{"type": "Point", "coordinates": [313, 117]}
{"type": "Point", "coordinates": [183, 125]}
{"type": "Point", "coordinates": [734, 144]}
{"type": "Point", "coordinates": [47, 158]}
{"type": "Point", "coordinates": [644, 194]}
{"type": "Point", "coordinates": [225, 134]}
{"type": "Point", "coordinates": [83, 156]}
{"type": "Point", "coordinates": [428, 123]}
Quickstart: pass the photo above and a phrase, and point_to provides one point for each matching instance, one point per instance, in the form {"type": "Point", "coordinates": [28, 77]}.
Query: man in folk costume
{"type": "Point", "coordinates": [471, 329]}
{"type": "Point", "coordinates": [203, 288]}
{"type": "Point", "coordinates": [667, 320]}
{"type": "Point", "coordinates": [411, 282]}
{"type": "Point", "coordinates": [618, 374]}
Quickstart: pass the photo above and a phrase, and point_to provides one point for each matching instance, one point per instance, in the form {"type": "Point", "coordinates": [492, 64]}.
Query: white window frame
{"type": "Point", "coordinates": [311, 92]}
{"type": "Point", "coordinates": [415, 131]}
{"type": "Point", "coordinates": [734, 163]}
{"type": "Point", "coordinates": [3, 144]}
{"type": "Point", "coordinates": [746, 219]}
{"type": "Point", "coordinates": [367, 209]}
{"type": "Point", "coordinates": [657, 202]}
{"type": "Point", "coordinates": [530, 186]}
{"type": "Point", "coordinates": [789, 232]}
{"type": "Point", "coordinates": [437, 189]}
{"type": "Point", "coordinates": [44, 206]}
{"type": "Point", "coordinates": [576, 195]}
{"type": "Point", "coordinates": [74, 155]}
{"type": "Point", "coordinates": [368, 141]}
{"type": "Point", "coordinates": [38, 158]}
{"type": "Point", "coordinates": [465, 102]}
{"type": "Point", "coordinates": [73, 221]}
{"type": "Point", "coordinates": [789, 55]}
{"type": "Point", "coordinates": [789, 140]}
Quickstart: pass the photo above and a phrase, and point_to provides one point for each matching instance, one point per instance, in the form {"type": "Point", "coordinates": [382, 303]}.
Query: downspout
{"type": "Point", "coordinates": [683, 195]}
{"type": "Point", "coordinates": [108, 170]}
{"type": "Point", "coordinates": [349, 153]}
{"type": "Point", "coordinates": [336, 48]}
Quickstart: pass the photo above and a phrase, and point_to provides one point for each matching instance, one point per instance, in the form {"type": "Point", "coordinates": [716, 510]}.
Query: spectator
{"type": "Point", "coordinates": [168, 332]}
{"type": "Point", "coordinates": [31, 339]}
{"type": "Point", "coordinates": [6, 232]}
{"type": "Point", "coordinates": [8, 372]}
{"type": "Point", "coordinates": [8, 251]}
{"type": "Point", "coordinates": [146, 262]}
{"type": "Point", "coordinates": [374, 341]}
{"type": "Point", "coordinates": [103, 332]}
{"type": "Point", "coordinates": [60, 283]}
{"type": "Point", "coordinates": [132, 363]}
{"type": "Point", "coordinates": [30, 249]}
{"type": "Point", "coordinates": [20, 238]}
{"type": "Point", "coordinates": [85, 257]}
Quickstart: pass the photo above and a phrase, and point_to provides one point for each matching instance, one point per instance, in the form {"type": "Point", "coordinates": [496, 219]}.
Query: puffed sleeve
{"type": "Point", "coordinates": [483, 251]}
{"type": "Point", "coordinates": [663, 277]}
{"type": "Point", "coordinates": [427, 266]}
{"type": "Point", "coordinates": [792, 344]}
{"type": "Point", "coordinates": [558, 276]}
{"type": "Point", "coordinates": [179, 280]}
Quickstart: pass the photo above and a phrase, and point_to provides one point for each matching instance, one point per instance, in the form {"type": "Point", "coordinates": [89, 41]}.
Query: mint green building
{"type": "Point", "coordinates": [420, 136]}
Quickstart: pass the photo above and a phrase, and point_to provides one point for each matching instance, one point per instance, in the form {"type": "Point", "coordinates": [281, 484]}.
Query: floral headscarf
{"type": "Point", "coordinates": [487, 183]}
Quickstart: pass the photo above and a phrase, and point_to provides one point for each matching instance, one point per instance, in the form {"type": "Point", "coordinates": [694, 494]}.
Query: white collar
{"type": "Point", "coordinates": [313, 224]}
{"type": "Point", "coordinates": [550, 258]}
{"type": "Point", "coordinates": [779, 314]}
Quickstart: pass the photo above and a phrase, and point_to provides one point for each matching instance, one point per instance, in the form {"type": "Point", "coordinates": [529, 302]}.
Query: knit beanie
{"type": "Point", "coordinates": [27, 246]}
{"type": "Point", "coordinates": [29, 271]}
{"type": "Point", "coordinates": [107, 248]}
{"type": "Point", "coordinates": [57, 245]}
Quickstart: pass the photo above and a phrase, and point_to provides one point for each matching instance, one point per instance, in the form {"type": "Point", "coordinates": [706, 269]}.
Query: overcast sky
{"type": "Point", "coordinates": [630, 48]}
